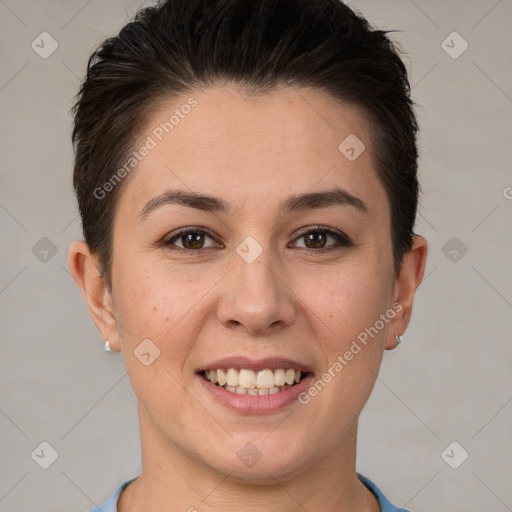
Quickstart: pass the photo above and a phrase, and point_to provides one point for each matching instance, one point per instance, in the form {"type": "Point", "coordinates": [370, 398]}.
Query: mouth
{"type": "Point", "coordinates": [246, 381]}
{"type": "Point", "coordinates": [249, 386]}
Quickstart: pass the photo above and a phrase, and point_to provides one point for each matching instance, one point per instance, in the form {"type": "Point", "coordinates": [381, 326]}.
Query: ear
{"type": "Point", "coordinates": [84, 268]}
{"type": "Point", "coordinates": [407, 282]}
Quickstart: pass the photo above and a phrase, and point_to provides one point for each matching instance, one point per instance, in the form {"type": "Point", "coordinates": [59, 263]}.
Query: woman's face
{"type": "Point", "coordinates": [266, 270]}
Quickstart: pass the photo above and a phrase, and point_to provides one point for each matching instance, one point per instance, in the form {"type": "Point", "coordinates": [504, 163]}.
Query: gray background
{"type": "Point", "coordinates": [449, 381]}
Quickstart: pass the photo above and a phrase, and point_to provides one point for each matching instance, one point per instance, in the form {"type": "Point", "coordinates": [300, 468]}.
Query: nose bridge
{"type": "Point", "coordinates": [256, 297]}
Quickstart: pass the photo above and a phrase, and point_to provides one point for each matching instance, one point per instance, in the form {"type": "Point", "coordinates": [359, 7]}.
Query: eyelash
{"type": "Point", "coordinates": [342, 240]}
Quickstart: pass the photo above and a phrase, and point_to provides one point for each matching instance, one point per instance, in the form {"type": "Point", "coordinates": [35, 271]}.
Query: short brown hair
{"type": "Point", "coordinates": [260, 44]}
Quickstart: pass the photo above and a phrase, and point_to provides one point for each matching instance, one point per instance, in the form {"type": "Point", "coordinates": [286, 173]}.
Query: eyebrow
{"type": "Point", "coordinates": [298, 202]}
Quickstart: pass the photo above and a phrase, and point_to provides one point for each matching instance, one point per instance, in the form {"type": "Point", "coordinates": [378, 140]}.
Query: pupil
{"type": "Point", "coordinates": [194, 239]}
{"type": "Point", "coordinates": [318, 239]}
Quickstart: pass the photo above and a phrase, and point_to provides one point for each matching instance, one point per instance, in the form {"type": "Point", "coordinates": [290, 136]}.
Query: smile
{"type": "Point", "coordinates": [256, 383]}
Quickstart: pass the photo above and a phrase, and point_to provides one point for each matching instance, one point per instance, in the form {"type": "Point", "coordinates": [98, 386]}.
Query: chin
{"type": "Point", "coordinates": [256, 459]}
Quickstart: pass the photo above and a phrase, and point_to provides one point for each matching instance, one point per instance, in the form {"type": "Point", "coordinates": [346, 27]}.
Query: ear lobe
{"type": "Point", "coordinates": [407, 282]}
{"type": "Point", "coordinates": [84, 268]}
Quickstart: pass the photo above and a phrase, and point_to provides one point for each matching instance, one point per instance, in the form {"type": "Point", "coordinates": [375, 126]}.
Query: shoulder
{"type": "Point", "coordinates": [111, 504]}
{"type": "Point", "coordinates": [385, 504]}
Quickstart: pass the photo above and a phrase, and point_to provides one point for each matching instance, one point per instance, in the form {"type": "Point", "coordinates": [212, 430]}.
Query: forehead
{"type": "Point", "coordinates": [251, 149]}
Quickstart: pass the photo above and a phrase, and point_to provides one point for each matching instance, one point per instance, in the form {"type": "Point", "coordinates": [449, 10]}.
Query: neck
{"type": "Point", "coordinates": [172, 480]}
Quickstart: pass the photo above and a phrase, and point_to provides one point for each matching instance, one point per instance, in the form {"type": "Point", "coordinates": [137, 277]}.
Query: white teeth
{"type": "Point", "coordinates": [221, 377]}
{"type": "Point", "coordinates": [232, 377]}
{"type": "Point", "coordinates": [265, 379]}
{"type": "Point", "coordinates": [247, 379]}
{"type": "Point", "coordinates": [249, 382]}
{"type": "Point", "coordinates": [279, 378]}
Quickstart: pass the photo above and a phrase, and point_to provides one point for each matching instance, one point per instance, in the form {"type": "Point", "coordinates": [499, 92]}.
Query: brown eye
{"type": "Point", "coordinates": [191, 240]}
{"type": "Point", "coordinates": [315, 240]}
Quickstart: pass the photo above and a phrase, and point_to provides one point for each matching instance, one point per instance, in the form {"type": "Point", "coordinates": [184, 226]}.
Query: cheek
{"type": "Point", "coordinates": [158, 304]}
{"type": "Point", "coordinates": [348, 299]}
{"type": "Point", "coordinates": [351, 331]}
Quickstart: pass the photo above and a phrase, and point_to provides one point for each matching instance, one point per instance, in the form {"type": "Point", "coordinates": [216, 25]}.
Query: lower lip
{"type": "Point", "coordinates": [256, 404]}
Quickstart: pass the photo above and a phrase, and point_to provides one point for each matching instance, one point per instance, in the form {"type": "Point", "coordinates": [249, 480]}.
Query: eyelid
{"type": "Point", "coordinates": [183, 231]}
{"type": "Point", "coordinates": [342, 239]}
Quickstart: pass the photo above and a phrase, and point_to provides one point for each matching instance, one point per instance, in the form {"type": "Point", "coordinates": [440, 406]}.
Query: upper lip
{"type": "Point", "coordinates": [271, 363]}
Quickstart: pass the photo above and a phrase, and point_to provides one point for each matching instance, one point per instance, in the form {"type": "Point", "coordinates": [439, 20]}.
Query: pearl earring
{"type": "Point", "coordinates": [107, 346]}
{"type": "Point", "coordinates": [398, 339]}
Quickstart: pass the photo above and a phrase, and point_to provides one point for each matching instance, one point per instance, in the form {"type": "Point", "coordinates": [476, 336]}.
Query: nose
{"type": "Point", "coordinates": [255, 297]}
